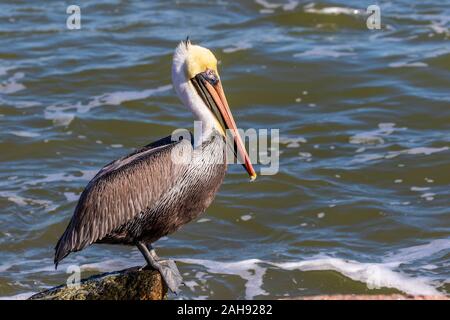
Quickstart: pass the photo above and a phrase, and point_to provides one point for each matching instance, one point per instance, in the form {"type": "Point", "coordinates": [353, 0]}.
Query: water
{"type": "Point", "coordinates": [361, 201]}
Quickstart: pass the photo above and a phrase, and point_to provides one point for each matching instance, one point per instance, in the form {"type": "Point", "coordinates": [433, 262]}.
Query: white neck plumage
{"type": "Point", "coordinates": [190, 98]}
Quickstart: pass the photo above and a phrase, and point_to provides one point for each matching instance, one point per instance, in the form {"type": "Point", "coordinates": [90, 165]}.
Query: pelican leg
{"type": "Point", "coordinates": [166, 263]}
{"type": "Point", "coordinates": [167, 268]}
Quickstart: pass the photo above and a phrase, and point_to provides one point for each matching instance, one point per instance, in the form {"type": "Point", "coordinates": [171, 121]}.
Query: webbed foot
{"type": "Point", "coordinates": [167, 268]}
{"type": "Point", "coordinates": [170, 273]}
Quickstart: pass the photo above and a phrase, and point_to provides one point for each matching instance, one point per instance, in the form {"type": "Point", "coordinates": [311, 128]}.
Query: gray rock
{"type": "Point", "coordinates": [128, 284]}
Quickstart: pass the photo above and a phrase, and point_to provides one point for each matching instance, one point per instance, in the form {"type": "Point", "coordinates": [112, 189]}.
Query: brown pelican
{"type": "Point", "coordinates": [146, 195]}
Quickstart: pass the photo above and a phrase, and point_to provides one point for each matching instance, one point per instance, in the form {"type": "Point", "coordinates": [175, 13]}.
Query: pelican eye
{"type": "Point", "coordinates": [210, 76]}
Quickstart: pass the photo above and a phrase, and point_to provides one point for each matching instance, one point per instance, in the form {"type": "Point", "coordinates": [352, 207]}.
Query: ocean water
{"type": "Point", "coordinates": [361, 200]}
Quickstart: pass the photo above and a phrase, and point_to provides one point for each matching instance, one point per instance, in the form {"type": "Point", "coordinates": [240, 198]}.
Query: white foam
{"type": "Point", "coordinates": [248, 270]}
{"type": "Point", "coordinates": [420, 188]}
{"type": "Point", "coordinates": [292, 142]}
{"type": "Point", "coordinates": [393, 154]}
{"type": "Point", "coordinates": [63, 114]}
{"type": "Point", "coordinates": [386, 127]}
{"type": "Point", "coordinates": [26, 104]}
{"type": "Point", "coordinates": [20, 296]}
{"type": "Point", "coordinates": [424, 150]}
{"type": "Point", "coordinates": [330, 51]}
{"type": "Point", "coordinates": [25, 134]}
{"type": "Point", "coordinates": [266, 11]}
{"type": "Point", "coordinates": [374, 136]}
{"type": "Point", "coordinates": [411, 254]}
{"type": "Point", "coordinates": [19, 104]}
{"type": "Point", "coordinates": [22, 201]}
{"type": "Point", "coordinates": [60, 118]}
{"type": "Point", "coordinates": [383, 274]}
{"type": "Point", "coordinates": [106, 266]}
{"type": "Point", "coordinates": [375, 275]}
{"type": "Point", "coordinates": [269, 7]}
{"type": "Point", "coordinates": [116, 98]}
{"type": "Point", "coordinates": [4, 70]}
{"type": "Point", "coordinates": [14, 198]}
{"type": "Point", "coordinates": [238, 47]}
{"type": "Point", "coordinates": [191, 285]}
{"type": "Point", "coordinates": [291, 5]}
{"type": "Point", "coordinates": [310, 8]}
{"type": "Point", "coordinates": [11, 85]}
{"type": "Point", "coordinates": [416, 64]}
{"type": "Point", "coordinates": [71, 196]}
{"type": "Point", "coordinates": [366, 138]}
{"type": "Point", "coordinates": [86, 175]}
{"type": "Point", "coordinates": [305, 155]}
{"type": "Point", "coordinates": [439, 28]}
{"type": "Point", "coordinates": [367, 157]}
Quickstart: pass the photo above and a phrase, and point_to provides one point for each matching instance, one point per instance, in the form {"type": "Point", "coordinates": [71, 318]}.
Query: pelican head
{"type": "Point", "coordinates": [197, 82]}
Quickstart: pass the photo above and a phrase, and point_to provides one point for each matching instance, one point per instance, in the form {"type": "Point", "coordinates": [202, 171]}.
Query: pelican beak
{"type": "Point", "coordinates": [210, 89]}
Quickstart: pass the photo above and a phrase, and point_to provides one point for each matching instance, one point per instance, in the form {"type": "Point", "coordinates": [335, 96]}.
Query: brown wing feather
{"type": "Point", "coordinates": [121, 190]}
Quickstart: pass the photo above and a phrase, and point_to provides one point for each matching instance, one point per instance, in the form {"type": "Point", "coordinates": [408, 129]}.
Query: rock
{"type": "Point", "coordinates": [128, 284]}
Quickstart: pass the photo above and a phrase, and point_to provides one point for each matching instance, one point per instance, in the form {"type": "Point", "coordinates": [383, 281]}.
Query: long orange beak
{"type": "Point", "coordinates": [214, 96]}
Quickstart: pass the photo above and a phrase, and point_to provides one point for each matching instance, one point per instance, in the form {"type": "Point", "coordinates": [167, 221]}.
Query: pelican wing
{"type": "Point", "coordinates": [121, 190]}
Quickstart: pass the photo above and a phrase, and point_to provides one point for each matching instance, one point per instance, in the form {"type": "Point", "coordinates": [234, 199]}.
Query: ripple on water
{"type": "Point", "coordinates": [63, 115]}
{"type": "Point", "coordinates": [12, 84]}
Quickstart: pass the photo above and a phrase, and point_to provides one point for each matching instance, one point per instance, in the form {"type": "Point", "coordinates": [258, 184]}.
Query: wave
{"type": "Point", "coordinates": [374, 275]}
{"type": "Point", "coordinates": [270, 7]}
{"type": "Point", "coordinates": [12, 84]}
{"type": "Point", "coordinates": [20, 296]}
{"type": "Point", "coordinates": [63, 114]}
{"type": "Point", "coordinates": [310, 8]}
{"type": "Point", "coordinates": [383, 274]}
{"type": "Point", "coordinates": [392, 154]}
{"type": "Point", "coordinates": [375, 136]}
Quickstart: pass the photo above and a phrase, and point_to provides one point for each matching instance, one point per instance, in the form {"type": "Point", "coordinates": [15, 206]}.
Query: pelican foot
{"type": "Point", "coordinates": [170, 273]}
{"type": "Point", "coordinates": [167, 268]}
